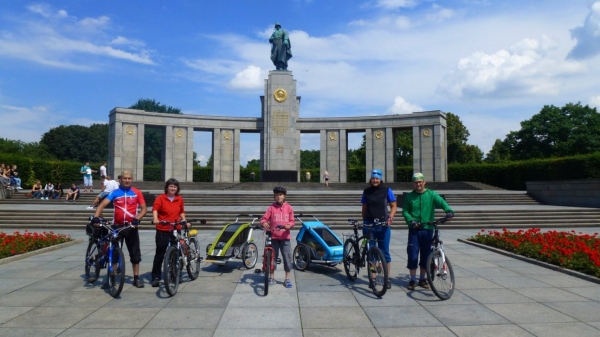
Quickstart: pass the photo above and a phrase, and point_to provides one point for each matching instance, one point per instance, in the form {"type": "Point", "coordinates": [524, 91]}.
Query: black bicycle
{"type": "Point", "coordinates": [105, 250]}
{"type": "Point", "coordinates": [356, 257]}
{"type": "Point", "coordinates": [183, 251]}
{"type": "Point", "coordinates": [440, 275]}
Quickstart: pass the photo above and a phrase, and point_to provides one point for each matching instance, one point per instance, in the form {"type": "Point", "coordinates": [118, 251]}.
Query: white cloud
{"type": "Point", "coordinates": [587, 36]}
{"type": "Point", "coordinates": [595, 101]}
{"type": "Point", "coordinates": [250, 78]}
{"type": "Point", "coordinates": [526, 68]}
{"type": "Point", "coordinates": [57, 43]}
{"type": "Point", "coordinates": [401, 106]}
{"type": "Point", "coordinates": [123, 41]}
{"type": "Point", "coordinates": [395, 4]}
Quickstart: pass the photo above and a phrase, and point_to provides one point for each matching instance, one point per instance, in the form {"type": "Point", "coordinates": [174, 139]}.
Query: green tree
{"type": "Point", "coordinates": [153, 135]}
{"type": "Point", "coordinates": [556, 132]}
{"type": "Point", "coordinates": [500, 152]}
{"type": "Point", "coordinates": [310, 159]}
{"type": "Point", "coordinates": [31, 150]}
{"type": "Point", "coordinates": [77, 143]}
{"type": "Point", "coordinates": [404, 148]}
{"type": "Point", "coordinates": [459, 151]}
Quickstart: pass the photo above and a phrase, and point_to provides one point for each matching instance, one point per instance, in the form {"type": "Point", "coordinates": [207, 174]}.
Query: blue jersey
{"type": "Point", "coordinates": [126, 202]}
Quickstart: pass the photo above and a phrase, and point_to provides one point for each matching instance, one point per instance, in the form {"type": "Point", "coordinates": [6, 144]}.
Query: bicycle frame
{"type": "Point", "coordinates": [438, 244]}
{"type": "Point", "coordinates": [268, 247]}
{"type": "Point", "coordinates": [364, 241]}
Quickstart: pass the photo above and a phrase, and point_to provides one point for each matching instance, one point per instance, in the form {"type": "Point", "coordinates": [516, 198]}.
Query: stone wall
{"type": "Point", "coordinates": [579, 193]}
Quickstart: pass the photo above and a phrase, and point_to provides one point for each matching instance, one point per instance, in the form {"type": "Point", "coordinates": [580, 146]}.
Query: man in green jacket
{"type": "Point", "coordinates": [419, 209]}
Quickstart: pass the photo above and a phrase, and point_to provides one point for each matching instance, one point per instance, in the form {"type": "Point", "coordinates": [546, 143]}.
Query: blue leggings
{"type": "Point", "coordinates": [382, 235]}
{"type": "Point", "coordinates": [419, 241]}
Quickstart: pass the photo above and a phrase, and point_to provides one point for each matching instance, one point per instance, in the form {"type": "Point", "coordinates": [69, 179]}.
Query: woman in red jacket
{"type": "Point", "coordinates": [167, 207]}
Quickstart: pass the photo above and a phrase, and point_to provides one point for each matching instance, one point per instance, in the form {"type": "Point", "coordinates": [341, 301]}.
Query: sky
{"type": "Point", "coordinates": [492, 63]}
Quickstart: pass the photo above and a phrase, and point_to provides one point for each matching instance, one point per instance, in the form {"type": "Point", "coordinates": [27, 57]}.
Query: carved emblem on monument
{"type": "Point", "coordinates": [129, 130]}
{"type": "Point", "coordinates": [280, 95]}
{"type": "Point", "coordinates": [332, 135]}
{"type": "Point", "coordinates": [280, 123]}
{"type": "Point", "coordinates": [178, 133]}
{"type": "Point", "coordinates": [279, 149]}
{"type": "Point", "coordinates": [426, 132]}
{"type": "Point", "coordinates": [378, 134]}
{"type": "Point", "coordinates": [227, 135]}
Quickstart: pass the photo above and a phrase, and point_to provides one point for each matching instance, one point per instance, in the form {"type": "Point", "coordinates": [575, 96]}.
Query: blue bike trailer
{"type": "Point", "coordinates": [317, 243]}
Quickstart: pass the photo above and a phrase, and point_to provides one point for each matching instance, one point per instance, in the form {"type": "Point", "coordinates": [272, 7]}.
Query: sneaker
{"type": "Point", "coordinates": [389, 286]}
{"type": "Point", "coordinates": [155, 283]}
{"type": "Point", "coordinates": [138, 283]}
{"type": "Point", "coordinates": [272, 282]}
{"type": "Point", "coordinates": [287, 284]}
{"type": "Point", "coordinates": [105, 286]}
{"type": "Point", "coordinates": [424, 284]}
{"type": "Point", "coordinates": [411, 285]}
{"type": "Point", "coordinates": [90, 207]}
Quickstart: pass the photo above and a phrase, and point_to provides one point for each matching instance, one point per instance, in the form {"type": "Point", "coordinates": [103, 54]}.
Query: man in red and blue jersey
{"type": "Point", "coordinates": [126, 200]}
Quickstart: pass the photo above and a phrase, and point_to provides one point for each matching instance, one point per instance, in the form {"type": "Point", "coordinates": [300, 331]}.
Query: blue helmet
{"type": "Point", "coordinates": [377, 174]}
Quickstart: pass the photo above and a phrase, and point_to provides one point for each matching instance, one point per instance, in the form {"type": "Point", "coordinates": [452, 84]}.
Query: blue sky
{"type": "Point", "coordinates": [493, 63]}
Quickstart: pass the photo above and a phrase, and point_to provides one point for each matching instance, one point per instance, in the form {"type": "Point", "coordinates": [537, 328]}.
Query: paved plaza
{"type": "Point", "coordinates": [496, 295]}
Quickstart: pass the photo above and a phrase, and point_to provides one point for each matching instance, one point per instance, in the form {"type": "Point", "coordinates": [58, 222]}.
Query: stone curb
{"type": "Point", "coordinates": [534, 261]}
{"type": "Point", "coordinates": [39, 251]}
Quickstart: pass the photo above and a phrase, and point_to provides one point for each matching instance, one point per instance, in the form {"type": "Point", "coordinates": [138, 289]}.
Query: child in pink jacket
{"type": "Point", "coordinates": [280, 213]}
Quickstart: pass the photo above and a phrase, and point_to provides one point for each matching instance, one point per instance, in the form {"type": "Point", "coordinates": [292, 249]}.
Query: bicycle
{"type": "Point", "coordinates": [183, 251]}
{"type": "Point", "coordinates": [356, 257]}
{"type": "Point", "coordinates": [105, 250]}
{"type": "Point", "coordinates": [439, 268]}
{"type": "Point", "coordinates": [268, 259]}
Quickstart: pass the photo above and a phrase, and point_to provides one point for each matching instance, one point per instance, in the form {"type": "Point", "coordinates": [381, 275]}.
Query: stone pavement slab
{"type": "Point", "coordinates": [495, 295]}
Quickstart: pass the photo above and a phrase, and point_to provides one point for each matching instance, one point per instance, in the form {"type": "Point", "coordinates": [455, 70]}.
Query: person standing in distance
{"type": "Point", "coordinates": [126, 200]}
{"type": "Point", "coordinates": [87, 177]}
{"type": "Point", "coordinates": [103, 170]}
{"type": "Point", "coordinates": [167, 207]}
{"type": "Point", "coordinates": [419, 208]}
{"type": "Point", "coordinates": [375, 200]}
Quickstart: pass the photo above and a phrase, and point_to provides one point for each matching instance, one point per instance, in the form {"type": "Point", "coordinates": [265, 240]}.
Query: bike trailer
{"type": "Point", "coordinates": [233, 243]}
{"type": "Point", "coordinates": [317, 243]}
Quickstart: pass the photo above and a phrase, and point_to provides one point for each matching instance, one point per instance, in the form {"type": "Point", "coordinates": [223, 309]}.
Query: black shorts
{"type": "Point", "coordinates": [132, 241]}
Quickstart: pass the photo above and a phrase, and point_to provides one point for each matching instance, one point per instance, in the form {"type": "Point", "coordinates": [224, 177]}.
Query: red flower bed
{"type": "Point", "coordinates": [17, 243]}
{"type": "Point", "coordinates": [580, 252]}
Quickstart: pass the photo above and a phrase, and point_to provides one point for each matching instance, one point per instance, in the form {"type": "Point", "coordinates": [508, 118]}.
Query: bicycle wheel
{"type": "Point", "coordinates": [171, 270]}
{"type": "Point", "coordinates": [267, 266]}
{"type": "Point", "coordinates": [92, 262]}
{"type": "Point", "coordinates": [116, 276]}
{"type": "Point", "coordinates": [301, 257]}
{"type": "Point", "coordinates": [378, 272]}
{"type": "Point", "coordinates": [351, 253]}
{"type": "Point", "coordinates": [440, 275]}
{"type": "Point", "coordinates": [250, 255]}
{"type": "Point", "coordinates": [193, 266]}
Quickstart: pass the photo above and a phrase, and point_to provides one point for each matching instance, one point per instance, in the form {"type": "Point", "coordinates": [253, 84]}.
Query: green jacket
{"type": "Point", "coordinates": [421, 207]}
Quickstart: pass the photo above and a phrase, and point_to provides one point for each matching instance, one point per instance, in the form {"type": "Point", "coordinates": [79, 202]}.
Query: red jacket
{"type": "Point", "coordinates": [167, 210]}
{"type": "Point", "coordinates": [278, 214]}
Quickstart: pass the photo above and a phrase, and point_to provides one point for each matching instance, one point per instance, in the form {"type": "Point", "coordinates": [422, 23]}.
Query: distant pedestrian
{"type": "Point", "coordinates": [103, 170]}
{"type": "Point", "coordinates": [326, 178]}
{"type": "Point", "coordinates": [87, 171]}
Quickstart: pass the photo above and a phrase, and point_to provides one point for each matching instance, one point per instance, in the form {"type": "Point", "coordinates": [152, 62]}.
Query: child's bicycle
{"type": "Point", "coordinates": [440, 275]}
{"type": "Point", "coordinates": [105, 251]}
{"type": "Point", "coordinates": [183, 251]}
{"type": "Point", "coordinates": [268, 267]}
{"type": "Point", "coordinates": [356, 257]}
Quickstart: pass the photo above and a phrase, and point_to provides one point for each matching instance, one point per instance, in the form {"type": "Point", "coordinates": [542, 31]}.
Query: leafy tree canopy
{"type": "Point", "coordinates": [459, 152]}
{"type": "Point", "coordinates": [77, 142]}
{"type": "Point", "coordinates": [554, 132]}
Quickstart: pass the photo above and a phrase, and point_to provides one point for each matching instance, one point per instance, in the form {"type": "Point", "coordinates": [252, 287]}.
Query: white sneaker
{"type": "Point", "coordinates": [90, 207]}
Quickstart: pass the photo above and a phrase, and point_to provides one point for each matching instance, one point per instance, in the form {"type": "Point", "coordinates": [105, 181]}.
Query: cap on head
{"type": "Point", "coordinates": [418, 177]}
{"type": "Point", "coordinates": [377, 174]}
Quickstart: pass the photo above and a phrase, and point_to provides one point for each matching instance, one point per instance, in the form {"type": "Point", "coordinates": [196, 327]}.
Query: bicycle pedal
{"type": "Point", "coordinates": [257, 271]}
{"type": "Point", "coordinates": [278, 260]}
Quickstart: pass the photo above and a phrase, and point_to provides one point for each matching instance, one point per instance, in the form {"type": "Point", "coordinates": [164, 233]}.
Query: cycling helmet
{"type": "Point", "coordinates": [280, 189]}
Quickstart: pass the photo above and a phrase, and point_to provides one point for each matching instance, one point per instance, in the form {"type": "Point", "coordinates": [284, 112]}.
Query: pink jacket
{"type": "Point", "coordinates": [278, 214]}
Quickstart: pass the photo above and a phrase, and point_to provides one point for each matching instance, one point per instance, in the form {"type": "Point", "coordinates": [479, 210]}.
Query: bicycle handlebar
{"type": "Point", "coordinates": [431, 223]}
{"type": "Point", "coordinates": [357, 223]}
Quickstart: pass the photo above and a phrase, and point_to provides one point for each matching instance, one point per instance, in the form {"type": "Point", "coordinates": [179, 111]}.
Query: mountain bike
{"type": "Point", "coordinates": [356, 257]}
{"type": "Point", "coordinates": [183, 251]}
{"type": "Point", "coordinates": [440, 275]}
{"type": "Point", "coordinates": [268, 267]}
{"type": "Point", "coordinates": [105, 250]}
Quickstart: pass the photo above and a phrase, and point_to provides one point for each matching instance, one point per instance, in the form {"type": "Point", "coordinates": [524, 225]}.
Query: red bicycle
{"type": "Point", "coordinates": [268, 267]}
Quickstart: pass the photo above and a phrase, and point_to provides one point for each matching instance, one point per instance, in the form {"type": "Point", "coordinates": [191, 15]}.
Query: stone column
{"type": "Point", "coordinates": [225, 142]}
{"type": "Point", "coordinates": [180, 158]}
{"type": "Point", "coordinates": [429, 155]}
{"type": "Point", "coordinates": [115, 147]}
{"type": "Point", "coordinates": [167, 152]}
{"type": "Point", "coordinates": [132, 150]}
{"type": "Point", "coordinates": [280, 155]}
{"type": "Point", "coordinates": [189, 173]}
{"type": "Point", "coordinates": [333, 154]}
{"type": "Point", "coordinates": [368, 153]}
{"type": "Point", "coordinates": [389, 171]}
{"type": "Point", "coordinates": [343, 156]}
